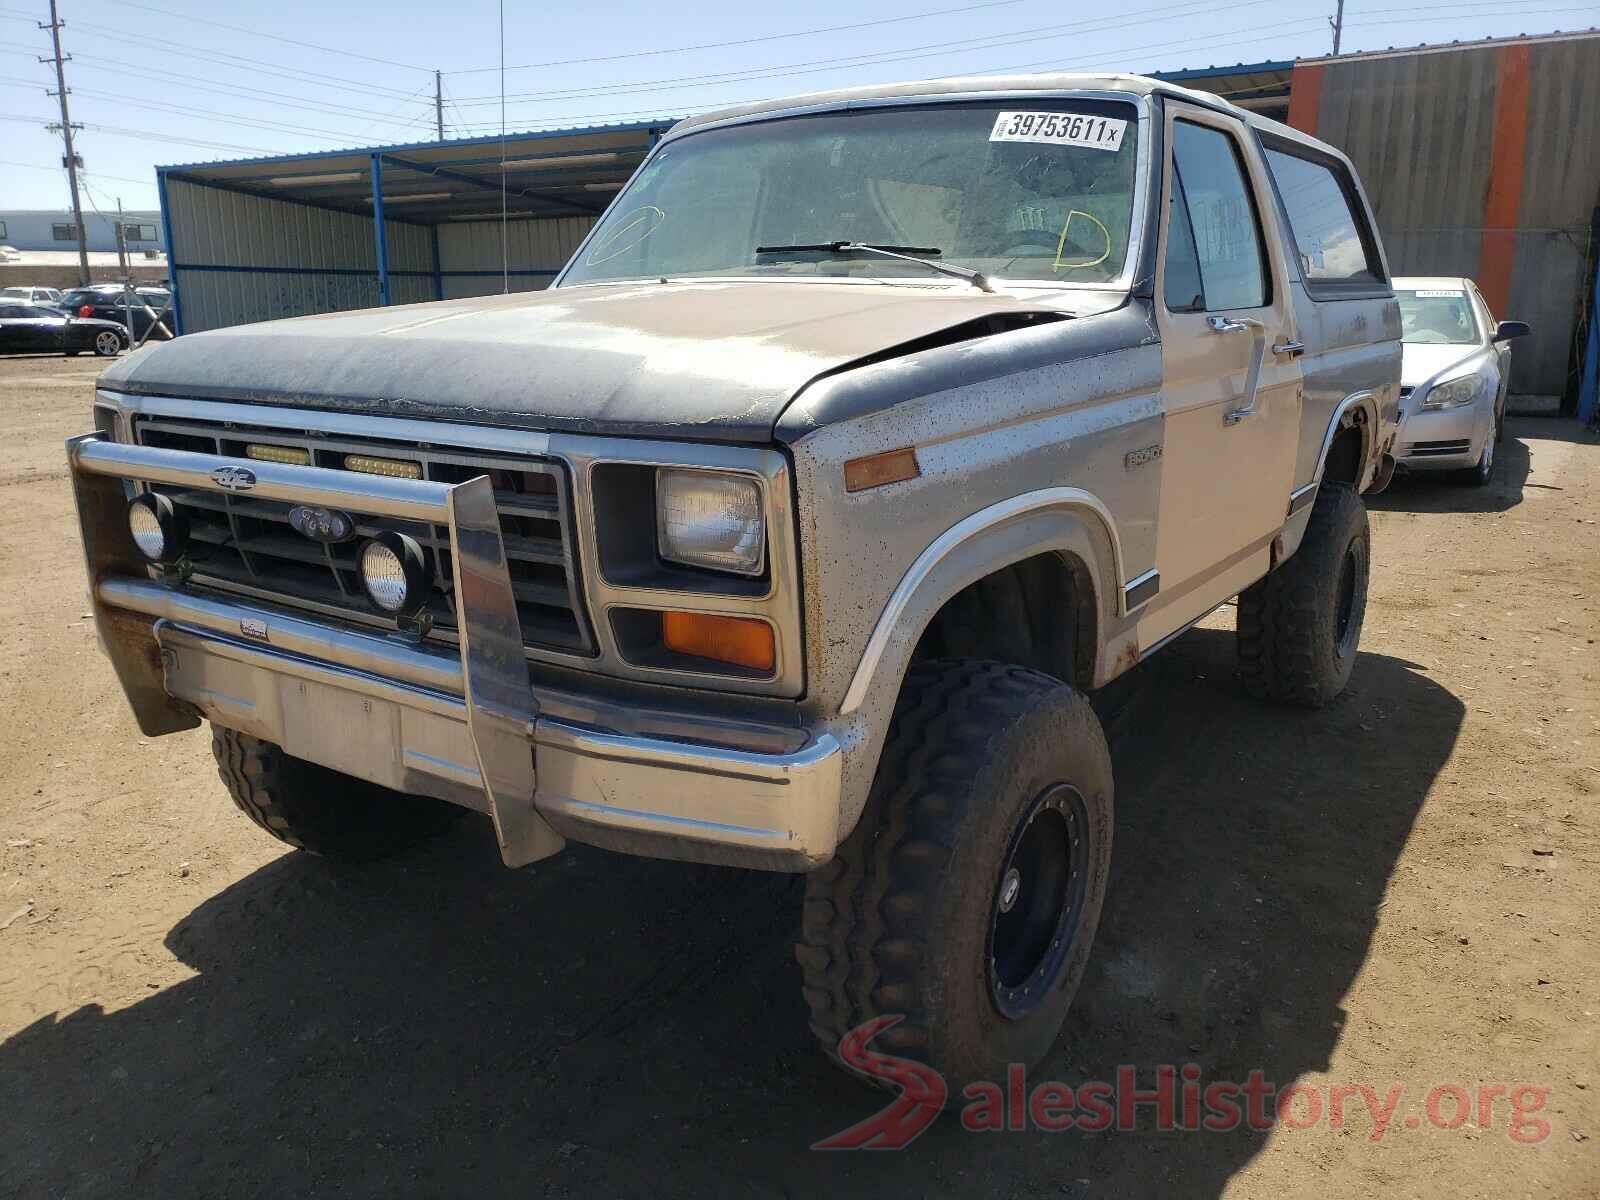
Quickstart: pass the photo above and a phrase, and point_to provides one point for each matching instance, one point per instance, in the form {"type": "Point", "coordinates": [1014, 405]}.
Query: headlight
{"type": "Point", "coordinates": [710, 519]}
{"type": "Point", "coordinates": [395, 573]}
{"type": "Point", "coordinates": [158, 532]}
{"type": "Point", "coordinates": [1456, 393]}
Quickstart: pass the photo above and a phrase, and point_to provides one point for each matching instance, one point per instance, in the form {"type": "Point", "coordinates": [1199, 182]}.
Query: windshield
{"type": "Point", "coordinates": [1025, 189]}
{"type": "Point", "coordinates": [1437, 316]}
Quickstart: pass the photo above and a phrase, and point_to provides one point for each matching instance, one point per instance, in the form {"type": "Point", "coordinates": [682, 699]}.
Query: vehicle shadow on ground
{"type": "Point", "coordinates": [598, 1025]}
{"type": "Point", "coordinates": [1437, 492]}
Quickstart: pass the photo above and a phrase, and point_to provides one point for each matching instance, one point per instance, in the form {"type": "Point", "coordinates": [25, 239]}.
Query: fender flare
{"type": "Point", "coordinates": [1061, 519]}
{"type": "Point", "coordinates": [1367, 401]}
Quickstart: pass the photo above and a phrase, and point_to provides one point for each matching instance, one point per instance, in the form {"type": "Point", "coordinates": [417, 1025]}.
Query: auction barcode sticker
{"type": "Point", "coordinates": [1436, 294]}
{"type": "Point", "coordinates": [1059, 129]}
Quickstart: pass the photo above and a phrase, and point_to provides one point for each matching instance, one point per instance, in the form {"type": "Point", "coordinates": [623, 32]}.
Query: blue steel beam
{"type": "Point", "coordinates": [483, 184]}
{"type": "Point", "coordinates": [172, 252]}
{"type": "Point", "coordinates": [377, 229]}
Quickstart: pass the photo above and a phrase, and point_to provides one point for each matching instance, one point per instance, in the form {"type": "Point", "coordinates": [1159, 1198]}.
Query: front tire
{"type": "Point", "coordinates": [107, 344]}
{"type": "Point", "coordinates": [966, 900]}
{"type": "Point", "coordinates": [1300, 627]}
{"type": "Point", "coordinates": [1480, 475]}
{"type": "Point", "coordinates": [320, 810]}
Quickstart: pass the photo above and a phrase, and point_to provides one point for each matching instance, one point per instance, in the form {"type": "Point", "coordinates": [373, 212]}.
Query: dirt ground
{"type": "Point", "coordinates": [1399, 891]}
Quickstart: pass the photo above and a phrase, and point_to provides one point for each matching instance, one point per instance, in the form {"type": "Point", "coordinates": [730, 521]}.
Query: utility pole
{"type": "Point", "coordinates": [1337, 21]}
{"type": "Point", "coordinates": [122, 243]}
{"type": "Point", "coordinates": [71, 157]}
{"type": "Point", "coordinates": [438, 102]}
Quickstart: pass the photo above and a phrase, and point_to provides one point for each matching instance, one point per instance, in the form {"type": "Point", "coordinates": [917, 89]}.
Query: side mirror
{"type": "Point", "coordinates": [1507, 330]}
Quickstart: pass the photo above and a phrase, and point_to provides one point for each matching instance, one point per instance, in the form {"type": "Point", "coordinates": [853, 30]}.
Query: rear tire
{"type": "Point", "coordinates": [316, 809]}
{"type": "Point", "coordinates": [1300, 627]}
{"type": "Point", "coordinates": [966, 899]}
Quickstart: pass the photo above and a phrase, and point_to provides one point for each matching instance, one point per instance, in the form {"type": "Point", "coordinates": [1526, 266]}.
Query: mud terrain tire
{"type": "Point", "coordinates": [1300, 627]}
{"type": "Point", "coordinates": [316, 809]}
{"type": "Point", "coordinates": [910, 919]}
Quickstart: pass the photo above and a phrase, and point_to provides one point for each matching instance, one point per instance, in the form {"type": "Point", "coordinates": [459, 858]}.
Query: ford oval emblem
{"type": "Point", "coordinates": [234, 479]}
{"type": "Point", "coordinates": [322, 524]}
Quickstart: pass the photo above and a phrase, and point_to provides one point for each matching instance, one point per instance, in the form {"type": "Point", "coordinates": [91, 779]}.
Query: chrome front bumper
{"type": "Point", "coordinates": [465, 728]}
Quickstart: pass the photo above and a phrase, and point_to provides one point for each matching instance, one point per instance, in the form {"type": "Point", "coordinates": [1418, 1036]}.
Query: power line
{"type": "Point", "coordinates": [6, 162]}
{"type": "Point", "coordinates": [194, 20]}
{"type": "Point", "coordinates": [903, 54]}
{"type": "Point", "coordinates": [316, 78]}
{"type": "Point", "coordinates": [200, 83]}
{"type": "Point", "coordinates": [1229, 38]}
{"type": "Point", "coordinates": [750, 41]}
{"type": "Point", "coordinates": [147, 135]}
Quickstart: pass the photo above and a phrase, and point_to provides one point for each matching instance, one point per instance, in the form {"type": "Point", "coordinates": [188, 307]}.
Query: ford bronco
{"type": "Point", "coordinates": [867, 434]}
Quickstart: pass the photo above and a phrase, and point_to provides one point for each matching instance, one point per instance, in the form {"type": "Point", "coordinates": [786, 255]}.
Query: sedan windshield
{"type": "Point", "coordinates": [1026, 189]}
{"type": "Point", "coordinates": [1437, 316]}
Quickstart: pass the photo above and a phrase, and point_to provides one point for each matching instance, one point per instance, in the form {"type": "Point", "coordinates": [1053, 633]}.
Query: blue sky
{"type": "Point", "coordinates": [177, 81]}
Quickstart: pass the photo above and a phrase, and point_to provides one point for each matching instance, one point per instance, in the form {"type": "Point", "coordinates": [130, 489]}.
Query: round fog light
{"type": "Point", "coordinates": [158, 532]}
{"type": "Point", "coordinates": [395, 573]}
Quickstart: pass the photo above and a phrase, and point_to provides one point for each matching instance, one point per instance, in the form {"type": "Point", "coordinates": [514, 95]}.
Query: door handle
{"type": "Point", "coordinates": [1294, 349]}
{"type": "Point", "coordinates": [1258, 333]}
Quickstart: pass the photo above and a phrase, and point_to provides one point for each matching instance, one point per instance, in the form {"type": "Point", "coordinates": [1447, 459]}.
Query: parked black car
{"type": "Point", "coordinates": [32, 329]}
{"type": "Point", "coordinates": [106, 302]}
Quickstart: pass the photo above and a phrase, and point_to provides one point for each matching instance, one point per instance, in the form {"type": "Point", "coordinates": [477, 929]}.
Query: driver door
{"type": "Point", "coordinates": [1231, 382]}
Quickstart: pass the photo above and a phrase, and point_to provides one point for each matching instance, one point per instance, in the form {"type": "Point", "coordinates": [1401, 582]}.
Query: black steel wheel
{"type": "Point", "coordinates": [1041, 889]}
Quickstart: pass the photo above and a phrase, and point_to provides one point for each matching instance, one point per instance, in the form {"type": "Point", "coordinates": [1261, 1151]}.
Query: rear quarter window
{"type": "Point", "coordinates": [1336, 249]}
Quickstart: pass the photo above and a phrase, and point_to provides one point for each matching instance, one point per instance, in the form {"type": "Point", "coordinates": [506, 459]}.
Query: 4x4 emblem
{"type": "Point", "coordinates": [234, 479]}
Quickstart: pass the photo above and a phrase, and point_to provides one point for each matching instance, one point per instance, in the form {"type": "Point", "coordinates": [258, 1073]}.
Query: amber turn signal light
{"type": "Point", "coordinates": [739, 640]}
{"type": "Point", "coordinates": [892, 466]}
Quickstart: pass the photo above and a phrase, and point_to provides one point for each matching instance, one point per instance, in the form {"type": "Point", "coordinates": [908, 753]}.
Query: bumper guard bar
{"type": "Point", "coordinates": [500, 707]}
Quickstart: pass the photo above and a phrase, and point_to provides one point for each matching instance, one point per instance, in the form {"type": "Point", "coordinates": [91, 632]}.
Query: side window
{"type": "Point", "coordinates": [1330, 229]}
{"type": "Point", "coordinates": [1214, 245]}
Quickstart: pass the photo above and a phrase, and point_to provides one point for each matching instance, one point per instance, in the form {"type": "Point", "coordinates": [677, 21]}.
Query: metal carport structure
{"type": "Point", "coordinates": [257, 239]}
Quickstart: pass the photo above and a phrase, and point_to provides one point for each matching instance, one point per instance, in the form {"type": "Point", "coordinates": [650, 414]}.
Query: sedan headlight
{"type": "Point", "coordinates": [710, 519]}
{"type": "Point", "coordinates": [1456, 393]}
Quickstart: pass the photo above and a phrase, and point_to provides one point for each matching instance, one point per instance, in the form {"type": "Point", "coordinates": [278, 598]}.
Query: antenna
{"type": "Point", "coordinates": [505, 248]}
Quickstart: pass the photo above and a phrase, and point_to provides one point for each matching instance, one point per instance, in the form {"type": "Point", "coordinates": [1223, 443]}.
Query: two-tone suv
{"type": "Point", "coordinates": [865, 436]}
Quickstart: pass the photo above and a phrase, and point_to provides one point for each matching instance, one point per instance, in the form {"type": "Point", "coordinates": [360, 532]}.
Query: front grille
{"type": "Point", "coordinates": [244, 543]}
{"type": "Point", "coordinates": [1434, 449]}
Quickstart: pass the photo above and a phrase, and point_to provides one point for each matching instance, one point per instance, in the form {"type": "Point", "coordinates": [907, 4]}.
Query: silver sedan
{"type": "Point", "coordinates": [1457, 360]}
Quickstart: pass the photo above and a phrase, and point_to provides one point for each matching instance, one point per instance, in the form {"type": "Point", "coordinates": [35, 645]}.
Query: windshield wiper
{"type": "Point", "coordinates": [905, 253]}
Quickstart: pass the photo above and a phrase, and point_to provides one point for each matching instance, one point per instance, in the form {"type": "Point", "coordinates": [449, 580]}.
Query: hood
{"type": "Point", "coordinates": [705, 360]}
{"type": "Point", "coordinates": [1421, 361]}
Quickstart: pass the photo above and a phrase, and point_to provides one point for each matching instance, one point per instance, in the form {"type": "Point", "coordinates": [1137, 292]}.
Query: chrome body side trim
{"type": "Point", "coordinates": [1140, 590]}
{"type": "Point", "coordinates": [944, 544]}
{"type": "Point", "coordinates": [1303, 496]}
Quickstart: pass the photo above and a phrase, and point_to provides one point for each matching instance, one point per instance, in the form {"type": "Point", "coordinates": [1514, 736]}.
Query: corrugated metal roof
{"type": "Point", "coordinates": [1445, 47]}
{"type": "Point", "coordinates": [571, 171]}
